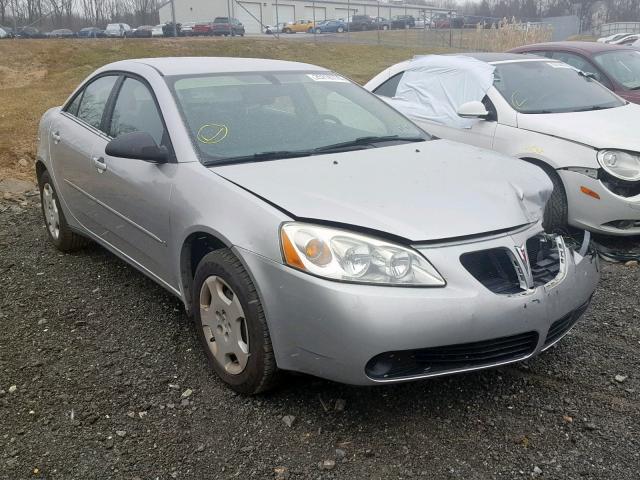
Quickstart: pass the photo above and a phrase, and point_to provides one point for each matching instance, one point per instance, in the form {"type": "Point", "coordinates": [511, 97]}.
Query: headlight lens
{"type": "Point", "coordinates": [620, 164]}
{"type": "Point", "coordinates": [340, 255]}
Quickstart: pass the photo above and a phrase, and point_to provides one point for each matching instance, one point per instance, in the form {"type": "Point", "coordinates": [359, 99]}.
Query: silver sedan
{"type": "Point", "coordinates": [308, 226]}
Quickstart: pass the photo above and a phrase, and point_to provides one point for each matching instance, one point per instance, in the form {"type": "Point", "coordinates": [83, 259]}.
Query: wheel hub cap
{"type": "Point", "coordinates": [51, 214]}
{"type": "Point", "coordinates": [224, 325]}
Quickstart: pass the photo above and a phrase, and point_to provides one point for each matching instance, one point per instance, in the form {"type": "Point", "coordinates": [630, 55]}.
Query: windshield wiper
{"type": "Point", "coordinates": [591, 108]}
{"type": "Point", "coordinates": [536, 112]}
{"type": "Point", "coordinates": [368, 141]}
{"type": "Point", "coordinates": [260, 157]}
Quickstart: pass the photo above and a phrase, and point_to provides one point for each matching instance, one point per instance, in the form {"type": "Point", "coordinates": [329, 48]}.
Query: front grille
{"type": "Point", "coordinates": [425, 361]}
{"type": "Point", "coordinates": [544, 259]}
{"type": "Point", "coordinates": [560, 327]}
{"type": "Point", "coordinates": [494, 269]}
{"type": "Point", "coordinates": [499, 270]}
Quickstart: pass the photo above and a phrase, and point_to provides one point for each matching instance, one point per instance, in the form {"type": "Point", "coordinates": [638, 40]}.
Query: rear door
{"type": "Point", "coordinates": [73, 136]}
{"type": "Point", "coordinates": [134, 194]}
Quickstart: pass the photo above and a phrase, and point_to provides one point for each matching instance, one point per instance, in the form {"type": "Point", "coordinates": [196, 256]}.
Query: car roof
{"type": "Point", "coordinates": [490, 57]}
{"type": "Point", "coordinates": [201, 65]}
{"type": "Point", "coordinates": [584, 47]}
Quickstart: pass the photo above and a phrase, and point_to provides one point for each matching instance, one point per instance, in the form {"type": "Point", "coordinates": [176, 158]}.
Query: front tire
{"type": "Point", "coordinates": [556, 212]}
{"type": "Point", "coordinates": [231, 324]}
{"type": "Point", "coordinates": [60, 234]}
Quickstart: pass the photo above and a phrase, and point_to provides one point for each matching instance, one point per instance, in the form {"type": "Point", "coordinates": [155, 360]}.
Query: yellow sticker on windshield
{"type": "Point", "coordinates": [212, 133]}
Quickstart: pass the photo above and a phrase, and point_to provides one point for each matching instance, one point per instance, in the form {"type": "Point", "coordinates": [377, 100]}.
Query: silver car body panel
{"type": "Point", "coordinates": [465, 190]}
{"type": "Point", "coordinates": [146, 214]}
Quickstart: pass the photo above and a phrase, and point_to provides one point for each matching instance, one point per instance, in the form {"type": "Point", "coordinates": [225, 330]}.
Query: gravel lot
{"type": "Point", "coordinates": [101, 377]}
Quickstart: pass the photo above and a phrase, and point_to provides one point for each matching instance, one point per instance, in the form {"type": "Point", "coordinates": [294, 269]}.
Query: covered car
{"type": "Point", "coordinates": [536, 109]}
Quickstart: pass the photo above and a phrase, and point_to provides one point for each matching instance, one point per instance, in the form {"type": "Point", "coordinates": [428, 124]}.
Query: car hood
{"type": "Point", "coordinates": [610, 128]}
{"type": "Point", "coordinates": [419, 191]}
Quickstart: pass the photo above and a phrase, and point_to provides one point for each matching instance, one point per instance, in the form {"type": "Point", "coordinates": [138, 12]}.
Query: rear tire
{"type": "Point", "coordinates": [60, 234]}
{"type": "Point", "coordinates": [220, 275]}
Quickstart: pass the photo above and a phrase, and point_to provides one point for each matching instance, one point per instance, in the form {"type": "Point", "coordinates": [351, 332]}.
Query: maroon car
{"type": "Point", "coordinates": [615, 66]}
{"type": "Point", "coordinates": [202, 28]}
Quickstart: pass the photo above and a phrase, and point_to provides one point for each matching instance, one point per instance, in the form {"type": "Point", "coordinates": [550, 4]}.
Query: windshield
{"type": "Point", "coordinates": [623, 66]}
{"type": "Point", "coordinates": [221, 20]}
{"type": "Point", "coordinates": [550, 87]}
{"type": "Point", "coordinates": [113, 26]}
{"type": "Point", "coordinates": [239, 115]}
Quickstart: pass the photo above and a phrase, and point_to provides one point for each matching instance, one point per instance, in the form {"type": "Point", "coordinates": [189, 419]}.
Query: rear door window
{"type": "Point", "coordinates": [94, 100]}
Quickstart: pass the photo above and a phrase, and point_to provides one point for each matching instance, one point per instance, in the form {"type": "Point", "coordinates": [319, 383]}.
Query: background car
{"type": "Point", "coordinates": [186, 29]}
{"type": "Point", "coordinates": [331, 26]}
{"type": "Point", "coordinates": [8, 31]}
{"type": "Point", "coordinates": [269, 29]}
{"type": "Point", "coordinates": [227, 26]}
{"type": "Point", "coordinates": [143, 31]}
{"type": "Point", "coordinates": [539, 110]}
{"type": "Point", "coordinates": [30, 32]}
{"type": "Point", "coordinates": [62, 33]}
{"type": "Point", "coordinates": [157, 31]}
{"type": "Point", "coordinates": [381, 23]}
{"type": "Point", "coordinates": [615, 36]}
{"type": "Point", "coordinates": [616, 67]}
{"type": "Point", "coordinates": [422, 22]}
{"type": "Point", "coordinates": [117, 30]}
{"type": "Point", "coordinates": [627, 40]}
{"type": "Point", "coordinates": [299, 26]}
{"type": "Point", "coordinates": [91, 32]}
{"type": "Point", "coordinates": [3, 33]}
{"type": "Point", "coordinates": [169, 29]}
{"type": "Point", "coordinates": [361, 23]}
{"type": "Point", "coordinates": [202, 29]}
{"type": "Point", "coordinates": [371, 287]}
{"type": "Point", "coordinates": [403, 21]}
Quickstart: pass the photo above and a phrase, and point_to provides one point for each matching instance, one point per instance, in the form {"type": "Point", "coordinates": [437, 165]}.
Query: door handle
{"type": "Point", "coordinates": [98, 162]}
{"type": "Point", "coordinates": [56, 137]}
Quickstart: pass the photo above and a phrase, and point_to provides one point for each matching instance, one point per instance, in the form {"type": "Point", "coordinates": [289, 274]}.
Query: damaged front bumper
{"type": "Point", "coordinates": [593, 206]}
{"type": "Point", "coordinates": [507, 298]}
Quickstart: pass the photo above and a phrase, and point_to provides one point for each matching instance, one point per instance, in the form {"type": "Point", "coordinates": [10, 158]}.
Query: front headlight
{"type": "Point", "coordinates": [341, 255]}
{"type": "Point", "coordinates": [620, 164]}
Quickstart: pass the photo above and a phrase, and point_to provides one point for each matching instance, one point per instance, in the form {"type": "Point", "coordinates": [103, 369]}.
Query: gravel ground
{"type": "Point", "coordinates": [101, 377]}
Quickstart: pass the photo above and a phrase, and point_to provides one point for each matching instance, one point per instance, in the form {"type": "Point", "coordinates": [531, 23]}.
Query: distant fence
{"type": "Point", "coordinates": [619, 27]}
{"type": "Point", "coordinates": [501, 36]}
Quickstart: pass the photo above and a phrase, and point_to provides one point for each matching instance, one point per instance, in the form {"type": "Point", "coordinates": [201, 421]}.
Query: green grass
{"type": "Point", "coordinates": [38, 74]}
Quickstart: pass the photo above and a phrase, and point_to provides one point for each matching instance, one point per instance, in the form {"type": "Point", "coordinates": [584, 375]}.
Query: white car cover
{"type": "Point", "coordinates": [435, 86]}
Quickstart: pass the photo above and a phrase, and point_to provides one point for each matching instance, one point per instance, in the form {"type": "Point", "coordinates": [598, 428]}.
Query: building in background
{"type": "Point", "coordinates": [255, 14]}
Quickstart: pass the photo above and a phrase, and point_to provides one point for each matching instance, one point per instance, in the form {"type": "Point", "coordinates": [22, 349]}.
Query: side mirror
{"type": "Point", "coordinates": [137, 146]}
{"type": "Point", "coordinates": [473, 109]}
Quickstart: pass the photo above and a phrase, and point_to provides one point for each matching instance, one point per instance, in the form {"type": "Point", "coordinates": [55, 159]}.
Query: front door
{"type": "Point", "coordinates": [135, 194]}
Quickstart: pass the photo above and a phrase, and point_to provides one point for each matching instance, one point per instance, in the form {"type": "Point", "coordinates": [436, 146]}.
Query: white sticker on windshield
{"type": "Point", "coordinates": [560, 65]}
{"type": "Point", "coordinates": [327, 77]}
